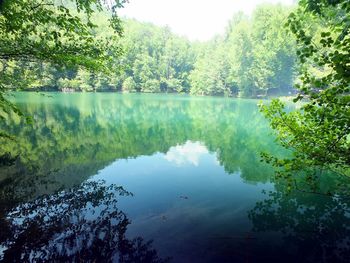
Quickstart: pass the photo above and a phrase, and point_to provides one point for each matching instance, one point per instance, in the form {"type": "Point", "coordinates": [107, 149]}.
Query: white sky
{"type": "Point", "coordinates": [196, 19]}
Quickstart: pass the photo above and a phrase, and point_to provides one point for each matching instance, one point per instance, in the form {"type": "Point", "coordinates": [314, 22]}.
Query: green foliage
{"type": "Point", "coordinates": [129, 85]}
{"type": "Point", "coordinates": [35, 33]}
{"type": "Point", "coordinates": [319, 133]}
{"type": "Point", "coordinates": [156, 59]}
{"type": "Point", "coordinates": [211, 74]}
{"type": "Point", "coordinates": [55, 32]}
{"type": "Point", "coordinates": [255, 58]}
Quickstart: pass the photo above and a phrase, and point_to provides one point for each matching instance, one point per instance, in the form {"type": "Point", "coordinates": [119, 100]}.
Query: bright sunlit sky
{"type": "Point", "coordinates": [196, 19]}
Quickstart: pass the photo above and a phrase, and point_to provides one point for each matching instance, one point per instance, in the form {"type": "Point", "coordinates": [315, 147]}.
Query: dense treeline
{"type": "Point", "coordinates": [156, 60]}
{"type": "Point", "coordinates": [255, 57]}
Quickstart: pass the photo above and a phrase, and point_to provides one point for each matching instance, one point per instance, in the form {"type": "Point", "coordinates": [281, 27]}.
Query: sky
{"type": "Point", "coordinates": [195, 19]}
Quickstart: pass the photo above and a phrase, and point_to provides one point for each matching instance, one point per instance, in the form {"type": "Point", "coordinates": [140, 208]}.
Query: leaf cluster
{"type": "Point", "coordinates": [319, 132]}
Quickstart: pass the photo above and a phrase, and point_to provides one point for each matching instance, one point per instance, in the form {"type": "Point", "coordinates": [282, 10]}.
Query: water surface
{"type": "Point", "coordinates": [183, 172]}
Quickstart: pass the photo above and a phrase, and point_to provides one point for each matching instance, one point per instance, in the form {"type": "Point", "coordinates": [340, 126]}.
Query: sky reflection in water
{"type": "Point", "coordinates": [192, 169]}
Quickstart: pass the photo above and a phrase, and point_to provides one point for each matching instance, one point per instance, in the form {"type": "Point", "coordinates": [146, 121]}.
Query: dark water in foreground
{"type": "Point", "coordinates": [158, 178]}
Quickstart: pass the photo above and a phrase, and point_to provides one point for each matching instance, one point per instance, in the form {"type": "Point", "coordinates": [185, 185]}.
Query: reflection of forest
{"type": "Point", "coordinates": [75, 135]}
{"type": "Point", "coordinates": [82, 224]}
{"type": "Point", "coordinates": [313, 218]}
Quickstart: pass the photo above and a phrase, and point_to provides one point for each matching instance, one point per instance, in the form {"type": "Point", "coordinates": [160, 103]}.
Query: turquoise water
{"type": "Point", "coordinates": [192, 183]}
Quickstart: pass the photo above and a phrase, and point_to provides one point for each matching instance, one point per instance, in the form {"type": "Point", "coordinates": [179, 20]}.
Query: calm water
{"type": "Point", "coordinates": [157, 178]}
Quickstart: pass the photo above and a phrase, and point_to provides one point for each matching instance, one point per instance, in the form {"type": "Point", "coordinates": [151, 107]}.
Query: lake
{"type": "Point", "coordinates": [157, 178]}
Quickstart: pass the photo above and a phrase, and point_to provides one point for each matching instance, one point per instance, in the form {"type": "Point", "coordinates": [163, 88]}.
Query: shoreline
{"type": "Point", "coordinates": [283, 98]}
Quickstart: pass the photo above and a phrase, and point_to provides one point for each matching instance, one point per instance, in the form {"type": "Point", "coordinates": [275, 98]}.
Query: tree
{"type": "Point", "coordinates": [155, 58]}
{"type": "Point", "coordinates": [319, 133]}
{"type": "Point", "coordinates": [241, 46]}
{"type": "Point", "coordinates": [56, 32]}
{"type": "Point", "coordinates": [262, 52]}
{"type": "Point", "coordinates": [212, 74]}
{"type": "Point", "coordinates": [254, 58]}
{"type": "Point", "coordinates": [129, 85]}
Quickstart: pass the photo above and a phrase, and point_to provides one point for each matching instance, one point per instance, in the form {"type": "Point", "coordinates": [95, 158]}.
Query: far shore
{"type": "Point", "coordinates": [283, 98]}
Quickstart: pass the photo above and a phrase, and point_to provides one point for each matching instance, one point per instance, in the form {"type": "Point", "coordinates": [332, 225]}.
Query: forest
{"type": "Point", "coordinates": [121, 141]}
{"type": "Point", "coordinates": [254, 58]}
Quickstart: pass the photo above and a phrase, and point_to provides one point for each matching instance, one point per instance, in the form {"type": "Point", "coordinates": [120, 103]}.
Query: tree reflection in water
{"type": "Point", "coordinates": [315, 225]}
{"type": "Point", "coordinates": [81, 224]}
